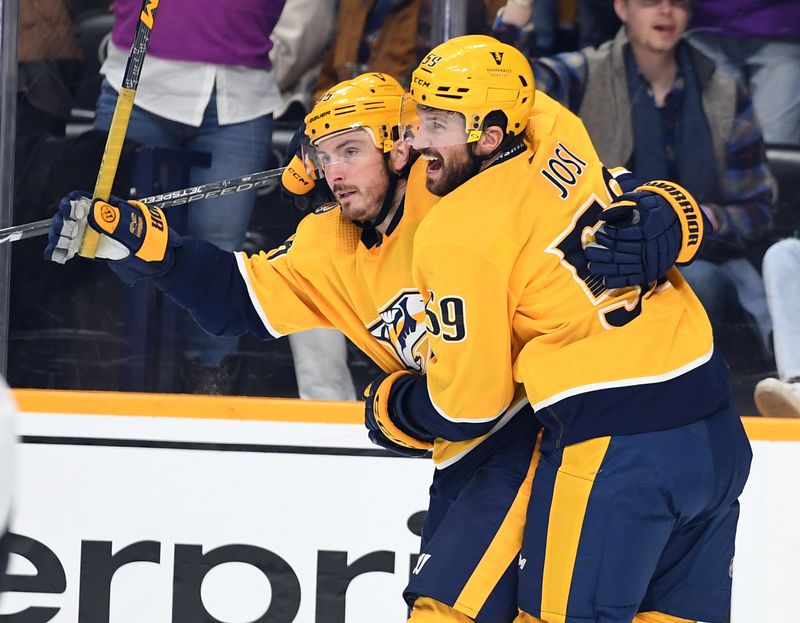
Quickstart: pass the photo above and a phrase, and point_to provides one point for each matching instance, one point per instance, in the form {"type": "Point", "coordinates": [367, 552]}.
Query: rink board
{"type": "Point", "coordinates": [134, 508]}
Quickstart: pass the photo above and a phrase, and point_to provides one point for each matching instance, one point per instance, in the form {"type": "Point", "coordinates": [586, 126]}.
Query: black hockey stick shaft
{"type": "Point", "coordinates": [165, 200]}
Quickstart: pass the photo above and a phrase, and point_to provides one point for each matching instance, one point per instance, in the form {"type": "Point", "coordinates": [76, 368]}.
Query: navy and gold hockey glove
{"type": "Point", "coordinates": [645, 232]}
{"type": "Point", "coordinates": [135, 238]}
{"type": "Point", "coordinates": [302, 187]}
{"type": "Point", "coordinates": [384, 431]}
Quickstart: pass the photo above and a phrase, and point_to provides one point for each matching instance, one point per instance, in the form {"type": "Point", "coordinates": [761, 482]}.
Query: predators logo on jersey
{"type": "Point", "coordinates": [401, 326]}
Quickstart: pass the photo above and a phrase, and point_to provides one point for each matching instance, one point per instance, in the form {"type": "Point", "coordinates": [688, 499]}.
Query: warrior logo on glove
{"type": "Point", "coordinates": [108, 216]}
{"type": "Point", "coordinates": [134, 236]}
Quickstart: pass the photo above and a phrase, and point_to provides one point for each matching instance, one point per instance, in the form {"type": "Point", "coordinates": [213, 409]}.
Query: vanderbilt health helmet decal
{"type": "Point", "coordinates": [401, 326]}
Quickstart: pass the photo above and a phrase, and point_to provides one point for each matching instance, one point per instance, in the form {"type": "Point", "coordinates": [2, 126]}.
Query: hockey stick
{"type": "Point", "coordinates": [122, 114]}
{"type": "Point", "coordinates": [165, 200]}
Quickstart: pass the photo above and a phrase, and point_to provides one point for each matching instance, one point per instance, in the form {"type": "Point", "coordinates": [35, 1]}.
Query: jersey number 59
{"type": "Point", "coordinates": [446, 317]}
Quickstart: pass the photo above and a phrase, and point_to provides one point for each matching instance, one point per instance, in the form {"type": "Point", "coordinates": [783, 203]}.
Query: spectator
{"type": "Point", "coordinates": [49, 58]}
{"type": "Point", "coordinates": [49, 318]}
{"type": "Point", "coordinates": [206, 85]}
{"type": "Point", "coordinates": [558, 25]}
{"type": "Point", "coordinates": [597, 22]}
{"type": "Point", "coordinates": [388, 36]}
{"type": "Point", "coordinates": [654, 103]}
{"type": "Point", "coordinates": [758, 41]}
{"type": "Point", "coordinates": [376, 35]}
{"type": "Point", "coordinates": [298, 45]}
{"type": "Point", "coordinates": [781, 397]}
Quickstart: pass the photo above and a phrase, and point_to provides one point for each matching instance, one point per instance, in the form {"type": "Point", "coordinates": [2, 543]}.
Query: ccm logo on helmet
{"type": "Point", "coordinates": [421, 82]}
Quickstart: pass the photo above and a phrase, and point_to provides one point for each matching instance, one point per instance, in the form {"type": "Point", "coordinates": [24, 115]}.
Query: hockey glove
{"type": "Point", "coordinates": [301, 189]}
{"type": "Point", "coordinates": [304, 189]}
{"type": "Point", "coordinates": [645, 232]}
{"type": "Point", "coordinates": [383, 431]}
{"type": "Point", "coordinates": [134, 237]}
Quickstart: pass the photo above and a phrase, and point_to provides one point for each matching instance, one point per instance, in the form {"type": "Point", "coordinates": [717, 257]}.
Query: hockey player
{"type": "Point", "coordinates": [349, 266]}
{"type": "Point", "coordinates": [634, 500]}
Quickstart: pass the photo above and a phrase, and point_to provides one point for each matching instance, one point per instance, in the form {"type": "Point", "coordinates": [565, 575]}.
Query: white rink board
{"type": "Point", "coordinates": [766, 577]}
{"type": "Point", "coordinates": [294, 505]}
{"type": "Point", "coordinates": [288, 495]}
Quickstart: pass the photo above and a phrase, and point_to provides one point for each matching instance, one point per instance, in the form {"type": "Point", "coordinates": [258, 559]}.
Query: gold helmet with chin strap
{"type": "Point", "coordinates": [370, 101]}
{"type": "Point", "coordinates": [476, 75]}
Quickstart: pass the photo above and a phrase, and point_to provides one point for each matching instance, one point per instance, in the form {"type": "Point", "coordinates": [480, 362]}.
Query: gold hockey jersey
{"type": "Point", "coordinates": [508, 296]}
{"type": "Point", "coordinates": [325, 276]}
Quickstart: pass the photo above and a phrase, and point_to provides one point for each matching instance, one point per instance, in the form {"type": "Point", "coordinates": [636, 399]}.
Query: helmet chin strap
{"type": "Point", "coordinates": [387, 204]}
{"type": "Point", "coordinates": [505, 150]}
{"type": "Point", "coordinates": [477, 161]}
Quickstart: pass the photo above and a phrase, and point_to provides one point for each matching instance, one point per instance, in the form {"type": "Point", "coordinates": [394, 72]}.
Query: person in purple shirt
{"type": "Point", "coordinates": [758, 41]}
{"type": "Point", "coordinates": [206, 85]}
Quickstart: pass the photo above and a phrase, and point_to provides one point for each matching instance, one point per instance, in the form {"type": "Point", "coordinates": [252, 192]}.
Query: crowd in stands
{"type": "Point", "coordinates": [697, 91]}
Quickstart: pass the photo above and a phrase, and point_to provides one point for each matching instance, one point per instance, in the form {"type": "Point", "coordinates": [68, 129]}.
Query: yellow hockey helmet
{"type": "Point", "coordinates": [475, 75]}
{"type": "Point", "coordinates": [370, 101]}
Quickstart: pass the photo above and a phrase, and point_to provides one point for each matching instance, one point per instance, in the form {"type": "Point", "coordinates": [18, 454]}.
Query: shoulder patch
{"type": "Point", "coordinates": [281, 250]}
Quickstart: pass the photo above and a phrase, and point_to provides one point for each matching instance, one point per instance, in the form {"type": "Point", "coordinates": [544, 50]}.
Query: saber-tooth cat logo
{"type": "Point", "coordinates": [401, 325]}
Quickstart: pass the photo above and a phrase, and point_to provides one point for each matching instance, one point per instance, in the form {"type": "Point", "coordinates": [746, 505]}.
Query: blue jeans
{"type": "Point", "coordinates": [735, 330]}
{"type": "Point", "coordinates": [782, 279]}
{"type": "Point", "coordinates": [770, 69]}
{"type": "Point", "coordinates": [236, 149]}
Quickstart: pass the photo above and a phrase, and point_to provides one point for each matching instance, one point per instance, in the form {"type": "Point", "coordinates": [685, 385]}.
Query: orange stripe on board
{"type": "Point", "coordinates": [188, 406]}
{"type": "Point", "coordinates": [772, 428]}
{"type": "Point", "coordinates": [269, 409]}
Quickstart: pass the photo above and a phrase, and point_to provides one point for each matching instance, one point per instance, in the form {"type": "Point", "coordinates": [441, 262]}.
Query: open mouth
{"type": "Point", "coordinates": [434, 163]}
{"type": "Point", "coordinates": [665, 29]}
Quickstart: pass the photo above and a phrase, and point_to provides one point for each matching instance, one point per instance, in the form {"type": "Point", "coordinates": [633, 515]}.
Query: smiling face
{"type": "Point", "coordinates": [654, 25]}
{"type": "Point", "coordinates": [356, 173]}
{"type": "Point", "coordinates": [441, 138]}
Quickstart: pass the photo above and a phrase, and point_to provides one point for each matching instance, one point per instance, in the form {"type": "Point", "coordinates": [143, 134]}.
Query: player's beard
{"type": "Point", "coordinates": [365, 202]}
{"type": "Point", "coordinates": [455, 170]}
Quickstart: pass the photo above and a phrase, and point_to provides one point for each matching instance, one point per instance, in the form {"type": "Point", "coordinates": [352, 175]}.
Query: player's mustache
{"type": "Point", "coordinates": [431, 153]}
{"type": "Point", "coordinates": [341, 188]}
